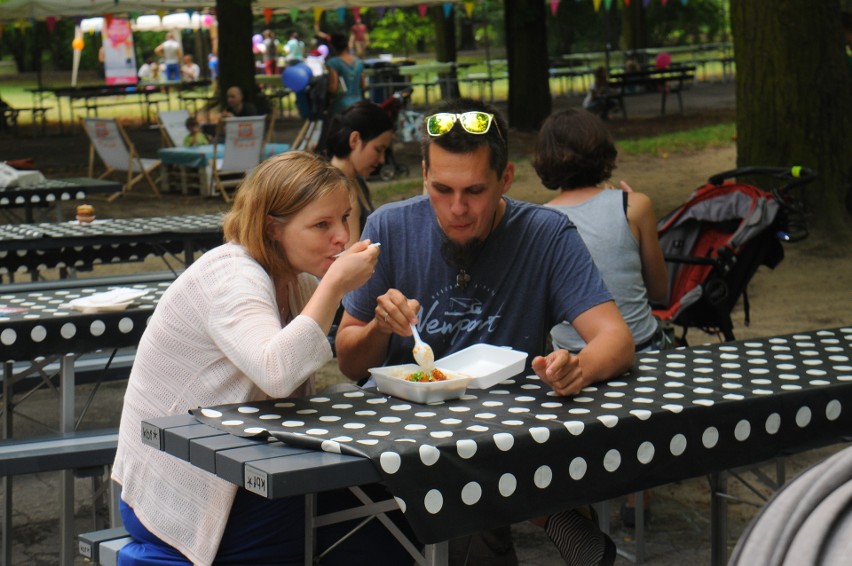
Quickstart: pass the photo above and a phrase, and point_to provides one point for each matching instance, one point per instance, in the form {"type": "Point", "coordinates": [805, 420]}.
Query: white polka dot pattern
{"type": "Point", "coordinates": [34, 247]}
{"type": "Point", "coordinates": [40, 323]}
{"type": "Point", "coordinates": [484, 456]}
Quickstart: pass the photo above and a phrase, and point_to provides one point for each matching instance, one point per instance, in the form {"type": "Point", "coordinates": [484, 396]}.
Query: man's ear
{"type": "Point", "coordinates": [508, 177]}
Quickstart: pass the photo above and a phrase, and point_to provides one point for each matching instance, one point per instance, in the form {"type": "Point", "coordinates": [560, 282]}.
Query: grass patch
{"type": "Point", "coordinates": [391, 191]}
{"type": "Point", "coordinates": [688, 141]}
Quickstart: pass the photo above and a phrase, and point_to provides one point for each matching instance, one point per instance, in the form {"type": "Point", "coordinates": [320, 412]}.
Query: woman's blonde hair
{"type": "Point", "coordinates": [280, 186]}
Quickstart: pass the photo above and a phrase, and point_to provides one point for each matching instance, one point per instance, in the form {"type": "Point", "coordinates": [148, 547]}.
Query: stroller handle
{"type": "Point", "coordinates": [796, 176]}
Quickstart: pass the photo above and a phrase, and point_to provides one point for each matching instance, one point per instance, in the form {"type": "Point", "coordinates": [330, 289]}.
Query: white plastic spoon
{"type": "Point", "coordinates": [422, 351]}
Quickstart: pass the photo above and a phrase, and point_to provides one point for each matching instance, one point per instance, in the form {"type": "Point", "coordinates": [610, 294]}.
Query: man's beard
{"type": "Point", "coordinates": [461, 257]}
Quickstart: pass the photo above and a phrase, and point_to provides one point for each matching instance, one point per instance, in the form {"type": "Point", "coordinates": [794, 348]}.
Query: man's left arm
{"type": "Point", "coordinates": [608, 352]}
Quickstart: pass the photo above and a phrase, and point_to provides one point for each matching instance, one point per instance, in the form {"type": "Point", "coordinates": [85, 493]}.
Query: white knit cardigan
{"type": "Point", "coordinates": [215, 337]}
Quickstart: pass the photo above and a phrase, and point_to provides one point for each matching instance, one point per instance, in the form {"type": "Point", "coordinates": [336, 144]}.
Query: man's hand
{"type": "Point", "coordinates": [561, 371]}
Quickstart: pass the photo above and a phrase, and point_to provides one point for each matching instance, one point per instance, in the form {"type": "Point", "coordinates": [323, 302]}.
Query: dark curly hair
{"type": "Point", "coordinates": [574, 149]}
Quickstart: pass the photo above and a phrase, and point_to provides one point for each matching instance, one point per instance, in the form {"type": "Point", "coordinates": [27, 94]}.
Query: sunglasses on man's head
{"type": "Point", "coordinates": [473, 122]}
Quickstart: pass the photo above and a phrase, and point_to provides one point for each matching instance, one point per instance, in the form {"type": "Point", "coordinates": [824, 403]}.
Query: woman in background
{"type": "Point", "coordinates": [355, 143]}
{"type": "Point", "coordinates": [346, 81]}
{"type": "Point", "coordinates": [575, 154]}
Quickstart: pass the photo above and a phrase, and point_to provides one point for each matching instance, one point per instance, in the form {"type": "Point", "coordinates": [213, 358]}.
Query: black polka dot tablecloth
{"type": "Point", "coordinates": [37, 324]}
{"type": "Point", "coordinates": [54, 190]}
{"type": "Point", "coordinates": [516, 450]}
{"type": "Point", "coordinates": [34, 247]}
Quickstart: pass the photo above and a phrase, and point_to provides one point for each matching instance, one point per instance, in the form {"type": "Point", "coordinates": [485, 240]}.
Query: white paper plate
{"type": "Point", "coordinates": [112, 300]}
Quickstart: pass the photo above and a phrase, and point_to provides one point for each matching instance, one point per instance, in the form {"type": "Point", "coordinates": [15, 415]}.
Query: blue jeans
{"type": "Point", "coordinates": [264, 532]}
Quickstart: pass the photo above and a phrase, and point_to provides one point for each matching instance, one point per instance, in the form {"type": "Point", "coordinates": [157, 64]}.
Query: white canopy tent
{"type": "Point", "coordinates": [177, 20]}
{"type": "Point", "coordinates": [41, 9]}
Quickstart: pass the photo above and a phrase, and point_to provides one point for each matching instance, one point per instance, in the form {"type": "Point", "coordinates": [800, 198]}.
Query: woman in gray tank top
{"type": "Point", "coordinates": [575, 154]}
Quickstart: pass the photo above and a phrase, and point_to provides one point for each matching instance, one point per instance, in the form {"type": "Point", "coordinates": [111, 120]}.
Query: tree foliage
{"type": "Point", "coordinates": [793, 94]}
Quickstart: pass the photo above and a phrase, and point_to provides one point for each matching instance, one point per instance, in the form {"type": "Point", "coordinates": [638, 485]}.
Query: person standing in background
{"type": "Point", "coordinates": [359, 39]}
{"type": "Point", "coordinates": [270, 52]}
{"type": "Point", "coordinates": [294, 49]}
{"type": "Point", "coordinates": [345, 75]}
{"type": "Point", "coordinates": [171, 51]}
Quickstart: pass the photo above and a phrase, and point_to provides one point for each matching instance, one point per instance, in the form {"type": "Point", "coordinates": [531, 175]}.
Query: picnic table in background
{"type": "Point", "coordinates": [72, 245]}
{"type": "Point", "coordinates": [52, 192]}
{"type": "Point", "coordinates": [670, 80]}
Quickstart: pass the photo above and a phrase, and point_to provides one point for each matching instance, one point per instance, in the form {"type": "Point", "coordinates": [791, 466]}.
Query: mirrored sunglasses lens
{"type": "Point", "coordinates": [440, 124]}
{"type": "Point", "coordinates": [476, 122]}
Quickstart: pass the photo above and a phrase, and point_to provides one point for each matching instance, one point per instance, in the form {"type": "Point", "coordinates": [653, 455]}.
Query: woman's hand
{"type": "Point", "coordinates": [353, 267]}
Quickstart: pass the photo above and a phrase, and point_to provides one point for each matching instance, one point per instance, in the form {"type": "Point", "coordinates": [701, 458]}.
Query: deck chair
{"type": "Point", "coordinates": [243, 147]}
{"type": "Point", "coordinates": [173, 127]}
{"type": "Point", "coordinates": [113, 146]}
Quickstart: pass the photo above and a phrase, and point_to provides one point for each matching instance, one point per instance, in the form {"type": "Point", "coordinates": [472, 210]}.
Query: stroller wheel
{"type": "Point", "coordinates": [387, 172]}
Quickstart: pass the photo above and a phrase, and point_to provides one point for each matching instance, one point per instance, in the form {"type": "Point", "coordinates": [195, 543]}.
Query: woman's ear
{"type": "Point", "coordinates": [270, 227]}
{"type": "Point", "coordinates": [354, 139]}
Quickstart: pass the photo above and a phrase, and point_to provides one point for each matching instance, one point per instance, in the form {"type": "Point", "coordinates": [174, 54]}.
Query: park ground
{"type": "Point", "coordinates": [808, 290]}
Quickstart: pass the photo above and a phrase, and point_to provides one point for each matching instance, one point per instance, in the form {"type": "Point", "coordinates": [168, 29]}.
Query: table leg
{"type": "Point", "coordinates": [438, 554]}
{"type": "Point", "coordinates": [718, 518]}
{"type": "Point", "coordinates": [67, 544]}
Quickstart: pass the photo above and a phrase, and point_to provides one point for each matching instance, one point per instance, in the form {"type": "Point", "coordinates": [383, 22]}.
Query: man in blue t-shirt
{"type": "Point", "coordinates": [469, 265]}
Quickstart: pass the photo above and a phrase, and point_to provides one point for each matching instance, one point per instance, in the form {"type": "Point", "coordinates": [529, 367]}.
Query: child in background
{"type": "Point", "coordinates": [195, 136]}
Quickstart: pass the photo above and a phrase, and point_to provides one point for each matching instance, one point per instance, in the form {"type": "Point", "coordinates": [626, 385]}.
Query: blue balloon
{"type": "Point", "coordinates": [296, 77]}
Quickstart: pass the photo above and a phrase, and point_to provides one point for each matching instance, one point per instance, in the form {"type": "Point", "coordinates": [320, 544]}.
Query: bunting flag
{"type": "Point", "coordinates": [664, 2]}
{"type": "Point", "coordinates": [468, 9]}
{"type": "Point", "coordinates": [422, 9]}
{"type": "Point", "coordinates": [107, 20]}
{"type": "Point", "coordinates": [448, 9]}
{"type": "Point", "coordinates": [51, 23]}
{"type": "Point", "coordinates": [597, 4]}
{"type": "Point", "coordinates": [380, 12]}
{"type": "Point", "coordinates": [356, 13]}
{"type": "Point", "coordinates": [341, 14]}
{"type": "Point", "coordinates": [554, 5]}
{"type": "Point", "coordinates": [683, 2]}
{"type": "Point", "coordinates": [161, 14]}
{"type": "Point", "coordinates": [317, 14]}
{"type": "Point", "coordinates": [646, 3]}
{"type": "Point", "coordinates": [626, 2]}
{"type": "Point", "coordinates": [267, 15]}
{"type": "Point", "coordinates": [608, 5]}
{"type": "Point", "coordinates": [294, 13]}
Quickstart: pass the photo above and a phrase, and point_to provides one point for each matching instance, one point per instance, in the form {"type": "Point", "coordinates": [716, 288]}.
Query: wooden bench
{"type": "Point", "coordinates": [672, 80]}
{"type": "Point", "coordinates": [86, 453]}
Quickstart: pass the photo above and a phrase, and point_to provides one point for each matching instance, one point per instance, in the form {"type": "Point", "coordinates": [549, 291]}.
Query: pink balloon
{"type": "Point", "coordinates": [207, 20]}
{"type": "Point", "coordinates": [256, 38]}
{"type": "Point", "coordinates": [323, 50]}
{"type": "Point", "coordinates": [663, 60]}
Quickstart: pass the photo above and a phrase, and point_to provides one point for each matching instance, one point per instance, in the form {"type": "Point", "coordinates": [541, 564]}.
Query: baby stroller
{"type": "Point", "coordinates": [714, 243]}
{"type": "Point", "coordinates": [407, 128]}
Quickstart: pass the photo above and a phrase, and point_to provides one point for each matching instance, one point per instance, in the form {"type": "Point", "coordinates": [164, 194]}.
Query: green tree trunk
{"type": "Point", "coordinates": [526, 51]}
{"type": "Point", "coordinates": [793, 93]}
{"type": "Point", "coordinates": [236, 61]}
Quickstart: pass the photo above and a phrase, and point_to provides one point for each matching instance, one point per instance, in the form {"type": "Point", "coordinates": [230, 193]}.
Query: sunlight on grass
{"type": "Point", "coordinates": [689, 141]}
